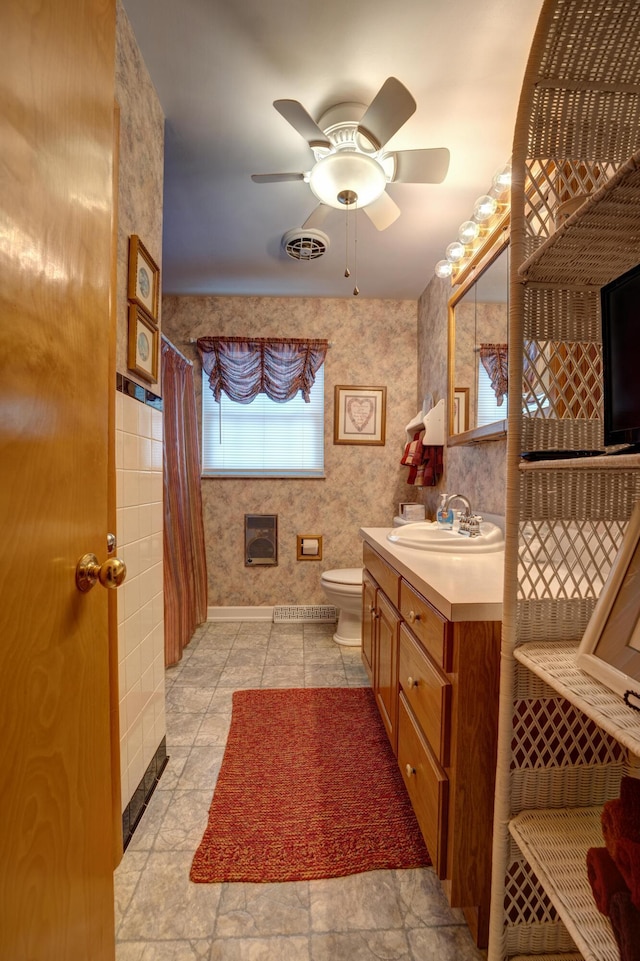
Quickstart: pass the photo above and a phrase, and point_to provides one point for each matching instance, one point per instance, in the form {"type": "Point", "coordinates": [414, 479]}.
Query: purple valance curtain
{"type": "Point", "coordinates": [244, 367]}
{"type": "Point", "coordinates": [494, 359]}
{"type": "Point", "coordinates": [185, 568]}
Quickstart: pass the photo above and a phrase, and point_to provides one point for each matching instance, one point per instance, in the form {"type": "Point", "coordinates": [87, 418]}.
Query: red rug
{"type": "Point", "coordinates": [308, 788]}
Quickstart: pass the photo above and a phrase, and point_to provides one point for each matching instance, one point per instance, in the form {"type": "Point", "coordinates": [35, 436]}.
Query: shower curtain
{"type": "Point", "coordinates": [185, 570]}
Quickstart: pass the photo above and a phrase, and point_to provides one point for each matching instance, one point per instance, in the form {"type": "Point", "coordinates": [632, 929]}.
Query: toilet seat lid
{"type": "Point", "coordinates": [345, 575]}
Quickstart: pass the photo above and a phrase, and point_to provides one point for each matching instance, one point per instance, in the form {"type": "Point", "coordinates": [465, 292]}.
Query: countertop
{"type": "Point", "coordinates": [462, 588]}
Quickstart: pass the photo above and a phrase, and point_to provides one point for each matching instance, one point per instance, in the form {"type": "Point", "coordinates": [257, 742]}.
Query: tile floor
{"type": "Point", "coordinates": [162, 916]}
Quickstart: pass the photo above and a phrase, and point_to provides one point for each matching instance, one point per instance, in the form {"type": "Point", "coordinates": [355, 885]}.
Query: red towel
{"type": "Point", "coordinates": [425, 463]}
{"type": "Point", "coordinates": [630, 804]}
{"type": "Point", "coordinates": [628, 863]}
{"type": "Point", "coordinates": [412, 455]}
{"type": "Point", "coordinates": [625, 921]}
{"type": "Point", "coordinates": [604, 877]}
{"type": "Point", "coordinates": [611, 825]}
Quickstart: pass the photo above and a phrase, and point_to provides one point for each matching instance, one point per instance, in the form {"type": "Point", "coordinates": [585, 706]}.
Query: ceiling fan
{"type": "Point", "coordinates": [351, 167]}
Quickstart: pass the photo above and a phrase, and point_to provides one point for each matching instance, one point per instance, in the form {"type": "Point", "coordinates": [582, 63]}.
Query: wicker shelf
{"type": "Point", "coordinates": [598, 242]}
{"type": "Point", "coordinates": [555, 843]}
{"type": "Point", "coordinates": [597, 462]}
{"type": "Point", "coordinates": [555, 664]}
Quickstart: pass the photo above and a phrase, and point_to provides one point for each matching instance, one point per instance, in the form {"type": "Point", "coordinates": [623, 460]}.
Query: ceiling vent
{"type": "Point", "coordinates": [305, 243]}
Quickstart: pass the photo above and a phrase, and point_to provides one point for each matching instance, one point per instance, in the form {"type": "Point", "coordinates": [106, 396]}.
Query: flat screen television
{"type": "Point", "coordinates": [620, 303]}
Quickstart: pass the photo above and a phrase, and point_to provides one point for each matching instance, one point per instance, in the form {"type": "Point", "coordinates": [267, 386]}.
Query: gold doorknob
{"type": "Point", "coordinates": [89, 571]}
{"type": "Point", "coordinates": [410, 770]}
{"type": "Point", "coordinates": [413, 617]}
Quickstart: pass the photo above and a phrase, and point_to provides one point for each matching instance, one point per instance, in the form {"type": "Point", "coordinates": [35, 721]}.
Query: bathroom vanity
{"type": "Point", "coordinates": [431, 644]}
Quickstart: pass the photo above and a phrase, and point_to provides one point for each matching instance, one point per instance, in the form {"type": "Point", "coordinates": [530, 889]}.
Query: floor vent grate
{"type": "Point", "coordinates": [325, 613]}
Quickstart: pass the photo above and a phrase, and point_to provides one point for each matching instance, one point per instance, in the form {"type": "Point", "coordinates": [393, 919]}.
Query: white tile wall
{"type": "Point", "coordinates": [140, 599]}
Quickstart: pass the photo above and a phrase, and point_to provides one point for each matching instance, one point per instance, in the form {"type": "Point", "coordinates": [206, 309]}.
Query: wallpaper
{"type": "Point", "coordinates": [373, 343]}
{"type": "Point", "coordinates": [140, 173]}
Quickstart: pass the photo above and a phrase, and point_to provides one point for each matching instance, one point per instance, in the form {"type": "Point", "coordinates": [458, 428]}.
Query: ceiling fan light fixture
{"type": "Point", "coordinates": [347, 171]}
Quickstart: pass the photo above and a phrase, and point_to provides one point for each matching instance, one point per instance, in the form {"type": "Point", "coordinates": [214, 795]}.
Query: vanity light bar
{"type": "Point", "coordinates": [485, 211]}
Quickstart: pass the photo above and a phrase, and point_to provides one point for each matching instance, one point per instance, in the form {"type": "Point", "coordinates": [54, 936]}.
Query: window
{"type": "Point", "coordinates": [263, 438]}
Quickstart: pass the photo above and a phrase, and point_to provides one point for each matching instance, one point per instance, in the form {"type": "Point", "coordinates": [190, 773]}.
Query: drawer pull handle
{"type": "Point", "coordinates": [410, 770]}
{"type": "Point", "coordinates": [412, 681]}
{"type": "Point", "coordinates": [371, 609]}
{"type": "Point", "coordinates": [413, 617]}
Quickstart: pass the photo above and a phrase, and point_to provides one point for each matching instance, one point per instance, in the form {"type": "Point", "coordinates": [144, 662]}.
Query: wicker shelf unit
{"type": "Point", "coordinates": [565, 741]}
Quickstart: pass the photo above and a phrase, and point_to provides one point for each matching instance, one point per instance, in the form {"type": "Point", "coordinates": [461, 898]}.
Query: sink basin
{"type": "Point", "coordinates": [427, 536]}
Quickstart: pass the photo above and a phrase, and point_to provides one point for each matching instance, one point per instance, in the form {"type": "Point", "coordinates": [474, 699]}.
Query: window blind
{"type": "Point", "coordinates": [263, 438]}
{"type": "Point", "coordinates": [488, 410]}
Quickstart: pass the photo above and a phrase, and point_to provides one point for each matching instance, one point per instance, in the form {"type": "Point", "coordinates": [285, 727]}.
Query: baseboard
{"type": "Point", "coordinates": [142, 795]}
{"type": "Point", "coordinates": [240, 613]}
{"type": "Point", "coordinates": [319, 613]}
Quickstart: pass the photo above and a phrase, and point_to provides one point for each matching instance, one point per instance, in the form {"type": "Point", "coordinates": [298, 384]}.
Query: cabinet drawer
{"type": "Point", "coordinates": [428, 692]}
{"type": "Point", "coordinates": [386, 577]}
{"type": "Point", "coordinates": [430, 627]}
{"type": "Point", "coordinates": [427, 785]}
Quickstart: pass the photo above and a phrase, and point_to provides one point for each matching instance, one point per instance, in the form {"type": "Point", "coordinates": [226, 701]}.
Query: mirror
{"type": "Point", "coordinates": [478, 333]}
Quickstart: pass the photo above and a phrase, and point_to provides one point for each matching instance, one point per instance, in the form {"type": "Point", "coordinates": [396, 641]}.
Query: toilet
{"type": "Point", "coordinates": [343, 589]}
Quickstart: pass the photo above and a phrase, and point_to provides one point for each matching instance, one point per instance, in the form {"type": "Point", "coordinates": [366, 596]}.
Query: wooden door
{"type": "Point", "coordinates": [56, 860]}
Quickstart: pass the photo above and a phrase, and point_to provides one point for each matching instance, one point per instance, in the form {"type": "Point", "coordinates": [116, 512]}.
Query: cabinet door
{"type": "Point", "coordinates": [369, 588]}
{"type": "Point", "coordinates": [385, 678]}
{"type": "Point", "coordinates": [427, 785]}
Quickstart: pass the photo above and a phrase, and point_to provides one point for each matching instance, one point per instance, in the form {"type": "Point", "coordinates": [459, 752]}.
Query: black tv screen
{"type": "Point", "coordinates": [620, 303]}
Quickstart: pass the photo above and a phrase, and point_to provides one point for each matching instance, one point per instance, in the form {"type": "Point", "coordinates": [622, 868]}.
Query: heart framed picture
{"type": "Point", "coordinates": [360, 415]}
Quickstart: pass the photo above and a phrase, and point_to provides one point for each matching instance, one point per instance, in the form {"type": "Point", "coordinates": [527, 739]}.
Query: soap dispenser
{"type": "Point", "coordinates": [444, 514]}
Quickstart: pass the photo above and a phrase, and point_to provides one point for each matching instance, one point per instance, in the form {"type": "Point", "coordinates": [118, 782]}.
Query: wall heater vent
{"type": "Point", "coordinates": [325, 613]}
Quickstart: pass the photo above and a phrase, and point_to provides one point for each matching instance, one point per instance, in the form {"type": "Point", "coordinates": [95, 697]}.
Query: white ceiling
{"type": "Point", "coordinates": [218, 65]}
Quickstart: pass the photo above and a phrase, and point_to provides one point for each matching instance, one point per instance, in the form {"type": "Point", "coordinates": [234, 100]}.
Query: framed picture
{"type": "Point", "coordinates": [610, 648]}
{"type": "Point", "coordinates": [143, 344]}
{"type": "Point", "coordinates": [144, 278]}
{"type": "Point", "coordinates": [460, 413]}
{"type": "Point", "coordinates": [359, 415]}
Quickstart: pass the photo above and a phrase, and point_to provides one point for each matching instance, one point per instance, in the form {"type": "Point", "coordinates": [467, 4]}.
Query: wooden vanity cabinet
{"type": "Point", "coordinates": [436, 687]}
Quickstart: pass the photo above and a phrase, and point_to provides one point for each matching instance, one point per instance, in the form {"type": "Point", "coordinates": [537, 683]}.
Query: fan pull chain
{"type": "Point", "coordinates": [356, 289]}
{"type": "Point", "coordinates": [347, 272]}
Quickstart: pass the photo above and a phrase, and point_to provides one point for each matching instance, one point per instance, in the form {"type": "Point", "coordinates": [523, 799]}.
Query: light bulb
{"type": "Point", "coordinates": [484, 208]}
{"type": "Point", "coordinates": [443, 269]}
{"type": "Point", "coordinates": [468, 232]}
{"type": "Point", "coordinates": [454, 252]}
{"type": "Point", "coordinates": [502, 180]}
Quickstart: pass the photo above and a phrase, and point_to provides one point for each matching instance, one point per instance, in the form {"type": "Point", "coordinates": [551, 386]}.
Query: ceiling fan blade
{"type": "Point", "coordinates": [382, 212]}
{"type": "Point", "coordinates": [318, 216]}
{"type": "Point", "coordinates": [427, 166]}
{"type": "Point", "coordinates": [300, 120]}
{"type": "Point", "coordinates": [390, 108]}
{"type": "Point", "coordinates": [275, 178]}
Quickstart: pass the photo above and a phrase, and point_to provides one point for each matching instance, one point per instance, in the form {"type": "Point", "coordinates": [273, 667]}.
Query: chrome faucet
{"type": "Point", "coordinates": [469, 522]}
